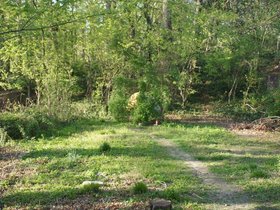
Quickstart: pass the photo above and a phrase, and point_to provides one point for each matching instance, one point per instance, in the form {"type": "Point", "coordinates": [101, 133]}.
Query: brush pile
{"type": "Point", "coordinates": [262, 124]}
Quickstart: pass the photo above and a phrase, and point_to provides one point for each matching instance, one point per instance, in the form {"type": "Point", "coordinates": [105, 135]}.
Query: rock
{"type": "Point", "coordinates": [132, 102]}
{"type": "Point", "coordinates": [92, 182]}
{"type": "Point", "coordinates": [160, 204]}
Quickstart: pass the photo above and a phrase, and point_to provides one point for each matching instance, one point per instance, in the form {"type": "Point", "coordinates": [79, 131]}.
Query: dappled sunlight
{"type": "Point", "coordinates": [135, 156]}
{"type": "Point", "coordinates": [66, 161]}
{"type": "Point", "coordinates": [250, 162]}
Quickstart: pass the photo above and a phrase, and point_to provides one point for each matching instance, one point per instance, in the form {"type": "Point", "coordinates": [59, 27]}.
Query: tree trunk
{"type": "Point", "coordinates": [167, 23]}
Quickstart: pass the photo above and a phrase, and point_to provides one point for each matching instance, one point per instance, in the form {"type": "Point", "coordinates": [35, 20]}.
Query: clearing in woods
{"type": "Point", "coordinates": [196, 165]}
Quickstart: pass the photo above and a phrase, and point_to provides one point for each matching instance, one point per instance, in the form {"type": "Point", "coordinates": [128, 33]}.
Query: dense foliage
{"type": "Point", "coordinates": [58, 51]}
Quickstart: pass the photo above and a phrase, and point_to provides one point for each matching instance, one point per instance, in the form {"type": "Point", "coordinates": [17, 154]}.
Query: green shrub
{"type": "Point", "coordinates": [148, 108]}
{"type": "Point", "coordinates": [255, 108]}
{"type": "Point", "coordinates": [271, 103]}
{"type": "Point", "coordinates": [118, 106]}
{"type": "Point", "coordinates": [19, 125]}
{"type": "Point", "coordinates": [239, 113]}
{"type": "Point", "coordinates": [26, 124]}
{"type": "Point", "coordinates": [140, 188]}
{"type": "Point", "coordinates": [104, 147]}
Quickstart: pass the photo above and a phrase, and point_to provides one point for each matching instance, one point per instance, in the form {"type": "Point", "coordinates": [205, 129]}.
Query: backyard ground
{"type": "Point", "coordinates": [195, 164]}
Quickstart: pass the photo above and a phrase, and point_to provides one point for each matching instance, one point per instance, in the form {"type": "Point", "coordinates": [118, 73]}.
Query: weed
{"type": "Point", "coordinates": [105, 147]}
{"type": "Point", "coordinates": [171, 194]}
{"type": "Point", "coordinates": [91, 188]}
{"type": "Point", "coordinates": [3, 136]}
{"type": "Point", "coordinates": [259, 174]}
{"type": "Point", "coordinates": [140, 188]}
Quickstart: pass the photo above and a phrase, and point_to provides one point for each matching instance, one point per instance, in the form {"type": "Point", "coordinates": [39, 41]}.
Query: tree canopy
{"type": "Point", "coordinates": [189, 51]}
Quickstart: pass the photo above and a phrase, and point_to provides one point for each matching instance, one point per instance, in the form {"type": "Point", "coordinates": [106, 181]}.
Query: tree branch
{"type": "Point", "coordinates": [53, 25]}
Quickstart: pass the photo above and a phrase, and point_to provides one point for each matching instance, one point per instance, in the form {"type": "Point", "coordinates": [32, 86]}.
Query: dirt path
{"type": "Point", "coordinates": [226, 196]}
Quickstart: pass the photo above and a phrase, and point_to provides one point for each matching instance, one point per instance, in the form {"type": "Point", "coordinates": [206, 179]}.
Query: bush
{"type": "Point", "coordinates": [118, 106]}
{"type": "Point", "coordinates": [104, 147]}
{"type": "Point", "coordinates": [140, 188]}
{"type": "Point", "coordinates": [271, 103]}
{"type": "Point", "coordinates": [19, 125]}
{"type": "Point", "coordinates": [255, 108]}
{"type": "Point", "coordinates": [239, 113]}
{"type": "Point", "coordinates": [148, 108]}
{"type": "Point", "coordinates": [26, 124]}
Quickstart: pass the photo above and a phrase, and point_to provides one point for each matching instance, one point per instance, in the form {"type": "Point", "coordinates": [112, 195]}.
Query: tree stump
{"type": "Point", "coordinates": [160, 204]}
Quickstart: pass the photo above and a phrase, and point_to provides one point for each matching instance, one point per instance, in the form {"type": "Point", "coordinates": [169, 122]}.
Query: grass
{"type": "Point", "coordinates": [140, 187]}
{"type": "Point", "coordinates": [49, 171]}
{"type": "Point", "coordinates": [250, 162]}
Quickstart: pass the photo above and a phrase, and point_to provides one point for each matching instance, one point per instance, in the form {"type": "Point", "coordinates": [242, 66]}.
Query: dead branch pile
{"type": "Point", "coordinates": [262, 124]}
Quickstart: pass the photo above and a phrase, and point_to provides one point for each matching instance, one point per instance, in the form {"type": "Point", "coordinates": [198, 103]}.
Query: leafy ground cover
{"type": "Point", "coordinates": [49, 172]}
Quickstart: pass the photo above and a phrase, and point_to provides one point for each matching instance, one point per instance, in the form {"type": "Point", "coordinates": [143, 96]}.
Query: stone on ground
{"type": "Point", "coordinates": [92, 182]}
{"type": "Point", "coordinates": [160, 204]}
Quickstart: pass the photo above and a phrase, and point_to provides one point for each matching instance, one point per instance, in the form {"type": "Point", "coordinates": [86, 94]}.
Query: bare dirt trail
{"type": "Point", "coordinates": [226, 196]}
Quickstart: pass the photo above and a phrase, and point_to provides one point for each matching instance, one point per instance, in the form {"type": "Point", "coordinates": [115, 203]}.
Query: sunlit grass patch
{"type": "Point", "coordinates": [59, 165]}
{"type": "Point", "coordinates": [243, 161]}
{"type": "Point", "coordinates": [63, 162]}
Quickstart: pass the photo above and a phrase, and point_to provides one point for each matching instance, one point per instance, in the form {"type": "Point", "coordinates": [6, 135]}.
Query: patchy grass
{"type": "Point", "coordinates": [250, 162]}
{"type": "Point", "coordinates": [49, 172]}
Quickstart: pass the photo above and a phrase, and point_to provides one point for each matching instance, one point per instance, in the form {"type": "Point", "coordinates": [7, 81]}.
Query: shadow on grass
{"type": "Point", "coordinates": [70, 196]}
{"type": "Point", "coordinates": [9, 153]}
{"type": "Point", "coordinates": [265, 193]}
{"type": "Point", "coordinates": [248, 156]}
{"type": "Point", "coordinates": [115, 151]}
{"type": "Point", "coordinates": [263, 207]}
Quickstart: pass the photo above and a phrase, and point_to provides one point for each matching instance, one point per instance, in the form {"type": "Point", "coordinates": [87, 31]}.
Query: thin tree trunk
{"type": "Point", "coordinates": [230, 93]}
{"type": "Point", "coordinates": [167, 23]}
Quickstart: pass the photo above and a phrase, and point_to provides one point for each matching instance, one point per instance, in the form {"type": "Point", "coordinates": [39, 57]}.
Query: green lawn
{"type": "Point", "coordinates": [253, 163]}
{"type": "Point", "coordinates": [49, 171]}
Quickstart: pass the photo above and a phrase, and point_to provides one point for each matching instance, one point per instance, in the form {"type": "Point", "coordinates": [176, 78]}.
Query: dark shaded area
{"type": "Point", "coordinates": [75, 196]}
{"type": "Point", "coordinates": [115, 151]}
{"type": "Point", "coordinates": [34, 125]}
{"type": "Point", "coordinates": [263, 207]}
{"type": "Point", "coordinates": [8, 153]}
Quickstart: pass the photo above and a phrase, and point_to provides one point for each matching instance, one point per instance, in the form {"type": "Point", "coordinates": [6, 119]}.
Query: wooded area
{"type": "Point", "coordinates": [181, 52]}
